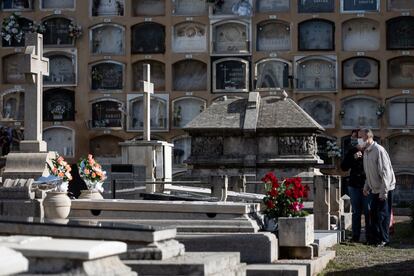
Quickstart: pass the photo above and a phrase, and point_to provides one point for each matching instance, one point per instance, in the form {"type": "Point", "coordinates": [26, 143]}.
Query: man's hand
{"type": "Point", "coordinates": [365, 192]}
{"type": "Point", "coordinates": [358, 155]}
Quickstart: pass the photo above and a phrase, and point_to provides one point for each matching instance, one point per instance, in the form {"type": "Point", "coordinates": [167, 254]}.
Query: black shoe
{"type": "Point", "coordinates": [382, 244]}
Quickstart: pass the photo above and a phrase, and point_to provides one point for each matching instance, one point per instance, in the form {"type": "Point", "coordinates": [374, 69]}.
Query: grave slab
{"type": "Point", "coordinates": [326, 240]}
{"type": "Point", "coordinates": [275, 270]}
{"type": "Point", "coordinates": [12, 262]}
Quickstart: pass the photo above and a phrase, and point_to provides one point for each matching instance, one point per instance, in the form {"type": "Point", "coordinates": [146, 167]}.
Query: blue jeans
{"type": "Point", "coordinates": [381, 215]}
{"type": "Point", "coordinates": [360, 205]}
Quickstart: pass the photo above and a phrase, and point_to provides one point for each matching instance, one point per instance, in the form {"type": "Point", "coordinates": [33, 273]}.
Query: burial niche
{"type": "Point", "coordinates": [182, 150]}
{"type": "Point", "coordinates": [12, 69]}
{"type": "Point", "coordinates": [189, 37]}
{"type": "Point", "coordinates": [400, 33]}
{"type": "Point", "coordinates": [57, 4]}
{"type": "Point", "coordinates": [401, 149]}
{"type": "Point", "coordinates": [13, 106]}
{"type": "Point", "coordinates": [108, 7]}
{"type": "Point", "coordinates": [107, 114]}
{"type": "Point", "coordinates": [159, 112]}
{"type": "Point", "coordinates": [148, 7]}
{"type": "Point", "coordinates": [231, 75]}
{"type": "Point", "coordinates": [273, 35]}
{"type": "Point", "coordinates": [56, 32]}
{"type": "Point", "coordinates": [266, 6]}
{"type": "Point", "coordinates": [190, 7]}
{"type": "Point", "coordinates": [105, 146]}
{"type": "Point", "coordinates": [107, 75]}
{"type": "Point", "coordinates": [357, 6]}
{"type": "Point", "coordinates": [360, 112]}
{"type": "Point", "coordinates": [316, 34]}
{"type": "Point", "coordinates": [320, 109]}
{"type": "Point", "coordinates": [58, 105]}
{"type": "Point", "coordinates": [272, 73]}
{"type": "Point", "coordinates": [316, 73]}
{"type": "Point", "coordinates": [148, 38]}
{"type": "Point", "coordinates": [231, 37]}
{"type": "Point", "coordinates": [107, 39]}
{"type": "Point", "coordinates": [189, 75]}
{"type": "Point", "coordinates": [316, 6]}
{"type": "Point", "coordinates": [186, 109]}
{"type": "Point", "coordinates": [360, 72]}
{"type": "Point", "coordinates": [157, 74]}
{"type": "Point", "coordinates": [401, 72]}
{"type": "Point", "coordinates": [61, 140]}
{"type": "Point", "coordinates": [17, 5]}
{"type": "Point", "coordinates": [26, 26]}
{"type": "Point", "coordinates": [360, 34]}
{"type": "Point", "coordinates": [401, 112]}
{"type": "Point", "coordinates": [233, 7]}
{"type": "Point", "coordinates": [404, 188]}
{"type": "Point", "coordinates": [62, 67]}
{"type": "Point", "coordinates": [400, 5]}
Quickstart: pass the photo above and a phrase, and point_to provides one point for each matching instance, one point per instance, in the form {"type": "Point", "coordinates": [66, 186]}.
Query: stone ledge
{"type": "Point", "coordinates": [275, 270]}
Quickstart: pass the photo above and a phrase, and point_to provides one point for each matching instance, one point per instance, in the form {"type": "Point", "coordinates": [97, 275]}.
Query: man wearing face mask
{"type": "Point", "coordinates": [380, 183]}
{"type": "Point", "coordinates": [353, 161]}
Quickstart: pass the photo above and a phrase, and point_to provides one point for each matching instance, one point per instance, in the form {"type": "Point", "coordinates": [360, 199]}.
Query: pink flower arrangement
{"type": "Point", "coordinates": [91, 172]}
{"type": "Point", "coordinates": [60, 168]}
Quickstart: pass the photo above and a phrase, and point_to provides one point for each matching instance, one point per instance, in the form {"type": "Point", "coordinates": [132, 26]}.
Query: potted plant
{"type": "Point", "coordinates": [284, 210]}
{"type": "Point", "coordinates": [91, 172]}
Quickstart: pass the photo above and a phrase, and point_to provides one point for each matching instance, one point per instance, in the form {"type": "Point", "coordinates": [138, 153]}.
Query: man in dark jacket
{"type": "Point", "coordinates": [353, 161]}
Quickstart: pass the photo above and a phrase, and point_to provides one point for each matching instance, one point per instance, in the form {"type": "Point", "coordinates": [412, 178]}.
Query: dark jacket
{"type": "Point", "coordinates": [357, 174]}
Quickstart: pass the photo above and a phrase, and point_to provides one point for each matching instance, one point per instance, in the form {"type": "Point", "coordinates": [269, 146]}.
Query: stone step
{"type": "Point", "coordinates": [208, 264]}
{"type": "Point", "coordinates": [326, 240]}
{"type": "Point", "coordinates": [275, 270]}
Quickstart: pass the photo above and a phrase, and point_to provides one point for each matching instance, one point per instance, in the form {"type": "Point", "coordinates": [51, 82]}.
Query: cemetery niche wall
{"type": "Point", "coordinates": [264, 6]}
{"type": "Point", "coordinates": [185, 109]}
{"type": "Point", "coordinates": [57, 4]}
{"type": "Point", "coordinates": [107, 7]}
{"type": "Point", "coordinates": [360, 112]}
{"type": "Point", "coordinates": [315, 73]}
{"type": "Point", "coordinates": [273, 35]}
{"type": "Point", "coordinates": [401, 72]}
{"type": "Point", "coordinates": [316, 35]}
{"type": "Point", "coordinates": [401, 112]}
{"type": "Point", "coordinates": [16, 5]}
{"type": "Point", "coordinates": [12, 106]}
{"type": "Point", "coordinates": [63, 68]}
{"type": "Point", "coordinates": [231, 75]}
{"type": "Point", "coordinates": [58, 105]}
{"type": "Point", "coordinates": [400, 5]}
{"type": "Point", "coordinates": [189, 37]}
{"type": "Point", "coordinates": [360, 6]}
{"type": "Point", "coordinates": [60, 139]}
{"type": "Point", "coordinates": [11, 69]}
{"type": "Point", "coordinates": [148, 38]}
{"type": "Point", "coordinates": [26, 26]}
{"type": "Point", "coordinates": [159, 116]}
{"type": "Point", "coordinates": [272, 73]}
{"type": "Point", "coordinates": [234, 7]}
{"type": "Point", "coordinates": [400, 33]}
{"type": "Point", "coordinates": [322, 110]}
{"type": "Point", "coordinates": [56, 32]}
{"type": "Point", "coordinates": [106, 148]}
{"type": "Point", "coordinates": [106, 113]}
{"type": "Point", "coordinates": [190, 7]}
{"type": "Point", "coordinates": [107, 39]}
{"type": "Point", "coordinates": [189, 75]}
{"type": "Point", "coordinates": [316, 6]}
{"type": "Point", "coordinates": [157, 74]}
{"type": "Point", "coordinates": [107, 75]}
{"type": "Point", "coordinates": [231, 37]}
{"type": "Point", "coordinates": [148, 7]}
{"type": "Point", "coordinates": [360, 34]}
{"type": "Point", "coordinates": [360, 73]}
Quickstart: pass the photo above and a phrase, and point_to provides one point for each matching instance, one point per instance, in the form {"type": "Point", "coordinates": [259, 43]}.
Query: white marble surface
{"type": "Point", "coordinates": [12, 262]}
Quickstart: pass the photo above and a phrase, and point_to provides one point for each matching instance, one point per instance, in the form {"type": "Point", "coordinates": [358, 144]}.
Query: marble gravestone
{"type": "Point", "coordinates": [157, 74]}
{"type": "Point", "coordinates": [230, 75]}
{"type": "Point", "coordinates": [62, 70]}
{"type": "Point", "coordinates": [13, 106]}
{"type": "Point", "coordinates": [272, 73]}
{"type": "Point", "coordinates": [56, 31]}
{"type": "Point", "coordinates": [360, 112]}
{"type": "Point", "coordinates": [107, 76]}
{"type": "Point", "coordinates": [272, 5]}
{"type": "Point", "coordinates": [316, 73]}
{"type": "Point", "coordinates": [158, 113]}
{"type": "Point", "coordinates": [108, 39]}
{"type": "Point", "coordinates": [58, 4]}
{"type": "Point", "coordinates": [60, 139]}
{"type": "Point", "coordinates": [401, 72]}
{"type": "Point", "coordinates": [360, 34]}
{"type": "Point", "coordinates": [190, 7]}
{"type": "Point", "coordinates": [230, 37]}
{"type": "Point", "coordinates": [356, 6]}
{"type": "Point", "coordinates": [273, 36]}
{"type": "Point", "coordinates": [108, 8]}
{"type": "Point", "coordinates": [321, 110]}
{"type": "Point", "coordinates": [11, 69]}
{"type": "Point", "coordinates": [186, 109]}
{"type": "Point", "coordinates": [316, 34]}
{"type": "Point", "coordinates": [400, 111]}
{"type": "Point", "coordinates": [58, 105]}
{"type": "Point", "coordinates": [190, 75]}
{"type": "Point", "coordinates": [360, 73]}
{"type": "Point", "coordinates": [189, 37]}
{"type": "Point", "coordinates": [400, 5]}
{"type": "Point", "coordinates": [106, 114]}
{"type": "Point", "coordinates": [316, 6]}
{"type": "Point", "coordinates": [148, 7]}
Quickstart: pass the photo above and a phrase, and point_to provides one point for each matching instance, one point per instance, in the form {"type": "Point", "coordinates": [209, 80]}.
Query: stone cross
{"type": "Point", "coordinates": [35, 67]}
{"type": "Point", "coordinates": [148, 90]}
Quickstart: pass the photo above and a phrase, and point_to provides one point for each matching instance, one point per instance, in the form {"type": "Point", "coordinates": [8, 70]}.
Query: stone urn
{"type": "Point", "coordinates": [56, 205]}
{"type": "Point", "coordinates": [296, 231]}
{"type": "Point", "coordinates": [90, 194]}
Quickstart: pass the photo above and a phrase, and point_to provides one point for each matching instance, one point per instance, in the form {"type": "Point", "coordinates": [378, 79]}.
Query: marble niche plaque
{"type": "Point", "coordinates": [189, 75]}
{"type": "Point", "coordinates": [320, 109]}
{"type": "Point", "coordinates": [12, 73]}
{"type": "Point", "coordinates": [190, 7]}
{"type": "Point", "coordinates": [186, 109]}
{"type": "Point", "coordinates": [272, 5]}
{"type": "Point", "coordinates": [61, 140]}
{"type": "Point", "coordinates": [404, 186]}
{"type": "Point", "coordinates": [62, 67]}
{"type": "Point", "coordinates": [273, 36]}
{"type": "Point", "coordinates": [13, 106]}
{"type": "Point", "coordinates": [189, 37]}
{"type": "Point", "coordinates": [357, 6]}
{"type": "Point", "coordinates": [401, 72]}
{"type": "Point", "coordinates": [157, 74]}
{"type": "Point", "coordinates": [58, 4]}
{"type": "Point", "coordinates": [148, 38]}
{"type": "Point", "coordinates": [108, 39]}
{"type": "Point", "coordinates": [272, 73]}
{"type": "Point", "coordinates": [56, 32]}
{"type": "Point", "coordinates": [58, 105]}
{"type": "Point", "coordinates": [108, 7]}
{"type": "Point", "coordinates": [17, 4]}
{"type": "Point", "coordinates": [182, 150]}
{"type": "Point", "coordinates": [360, 112]}
{"type": "Point", "coordinates": [361, 73]}
{"type": "Point", "coordinates": [159, 112]}
{"type": "Point", "coordinates": [316, 74]}
{"type": "Point", "coordinates": [105, 146]}
{"type": "Point", "coordinates": [231, 75]}
{"type": "Point", "coordinates": [401, 112]}
{"type": "Point", "coordinates": [106, 114]}
{"type": "Point", "coordinates": [230, 37]}
{"type": "Point", "coordinates": [401, 149]}
{"type": "Point", "coordinates": [316, 34]}
{"type": "Point", "coordinates": [316, 6]}
{"type": "Point", "coordinates": [234, 7]}
{"type": "Point", "coordinates": [360, 34]}
{"type": "Point", "coordinates": [400, 5]}
{"type": "Point", "coordinates": [400, 33]}
{"type": "Point", "coordinates": [148, 7]}
{"type": "Point", "coordinates": [25, 25]}
{"type": "Point", "coordinates": [107, 76]}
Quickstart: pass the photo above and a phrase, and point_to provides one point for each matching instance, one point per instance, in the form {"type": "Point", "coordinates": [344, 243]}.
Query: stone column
{"type": "Point", "coordinates": [321, 206]}
{"type": "Point", "coordinates": [219, 186]}
{"type": "Point", "coordinates": [336, 203]}
{"type": "Point", "coordinates": [237, 183]}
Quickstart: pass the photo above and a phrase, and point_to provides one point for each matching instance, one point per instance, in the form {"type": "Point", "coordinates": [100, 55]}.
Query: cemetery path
{"type": "Point", "coordinates": [359, 259]}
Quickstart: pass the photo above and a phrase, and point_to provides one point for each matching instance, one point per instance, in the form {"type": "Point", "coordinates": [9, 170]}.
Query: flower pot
{"type": "Point", "coordinates": [63, 188]}
{"type": "Point", "coordinates": [90, 194]}
{"type": "Point", "coordinates": [296, 231]}
{"type": "Point", "coordinates": [56, 205]}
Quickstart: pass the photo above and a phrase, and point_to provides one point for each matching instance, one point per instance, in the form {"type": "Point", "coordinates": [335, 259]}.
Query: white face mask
{"type": "Point", "coordinates": [361, 142]}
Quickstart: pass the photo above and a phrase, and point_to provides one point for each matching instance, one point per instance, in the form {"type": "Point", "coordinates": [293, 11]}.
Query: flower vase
{"type": "Point", "coordinates": [63, 188]}
{"type": "Point", "coordinates": [270, 224]}
{"type": "Point", "coordinates": [56, 205]}
{"type": "Point", "coordinates": [94, 190]}
{"type": "Point", "coordinates": [296, 231]}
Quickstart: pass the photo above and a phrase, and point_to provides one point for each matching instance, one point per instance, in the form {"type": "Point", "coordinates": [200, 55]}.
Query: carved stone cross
{"type": "Point", "coordinates": [148, 90]}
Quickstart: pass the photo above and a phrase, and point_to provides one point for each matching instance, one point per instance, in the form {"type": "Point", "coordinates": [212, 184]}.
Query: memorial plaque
{"type": "Point", "coordinates": [272, 73]}
{"type": "Point", "coordinates": [400, 33]}
{"type": "Point", "coordinates": [320, 109]}
{"type": "Point", "coordinates": [273, 36]}
{"type": "Point", "coordinates": [316, 6]}
{"type": "Point", "coordinates": [13, 106]}
{"type": "Point", "coordinates": [400, 5]}
{"type": "Point", "coordinates": [159, 112]}
{"type": "Point", "coordinates": [12, 72]}
{"type": "Point", "coordinates": [401, 72]}
{"type": "Point", "coordinates": [360, 73]}
{"type": "Point", "coordinates": [356, 6]}
{"type": "Point", "coordinates": [25, 25]}
{"type": "Point", "coordinates": [61, 140]}
{"type": "Point", "coordinates": [272, 5]}
{"type": "Point", "coordinates": [108, 7]}
{"type": "Point", "coordinates": [58, 105]}
{"type": "Point", "coordinates": [189, 37]}
{"type": "Point", "coordinates": [231, 37]}
{"type": "Point", "coordinates": [108, 39]}
{"type": "Point", "coordinates": [316, 74]}
{"type": "Point", "coordinates": [148, 7]}
{"type": "Point", "coordinates": [360, 34]}
{"type": "Point", "coordinates": [62, 70]}
{"type": "Point", "coordinates": [186, 109]}
{"type": "Point", "coordinates": [231, 75]}
{"type": "Point", "coordinates": [106, 114]}
{"type": "Point", "coordinates": [17, 4]}
{"type": "Point", "coordinates": [233, 7]}
{"type": "Point", "coordinates": [316, 34]}
{"type": "Point", "coordinates": [148, 38]}
{"type": "Point", "coordinates": [58, 4]}
{"type": "Point", "coordinates": [105, 146]}
{"type": "Point", "coordinates": [56, 32]}
{"type": "Point", "coordinates": [182, 150]}
{"type": "Point", "coordinates": [157, 74]}
{"type": "Point", "coordinates": [401, 112]}
{"type": "Point", "coordinates": [189, 75]}
{"type": "Point", "coordinates": [190, 7]}
{"type": "Point", "coordinates": [107, 76]}
{"type": "Point", "coordinates": [360, 112]}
